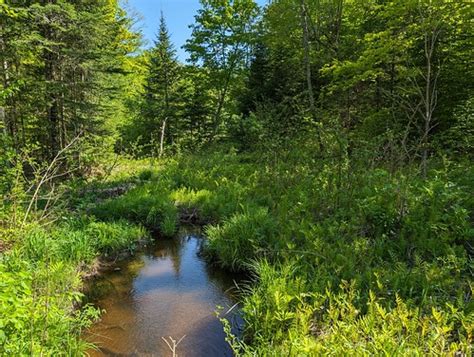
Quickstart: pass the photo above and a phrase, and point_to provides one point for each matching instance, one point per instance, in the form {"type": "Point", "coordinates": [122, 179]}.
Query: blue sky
{"type": "Point", "coordinates": [179, 15]}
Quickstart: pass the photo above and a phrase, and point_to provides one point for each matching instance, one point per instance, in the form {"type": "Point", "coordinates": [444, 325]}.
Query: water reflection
{"type": "Point", "coordinates": [166, 291]}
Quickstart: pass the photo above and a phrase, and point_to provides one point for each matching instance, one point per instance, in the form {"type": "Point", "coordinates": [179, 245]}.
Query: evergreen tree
{"type": "Point", "coordinates": [159, 111]}
{"type": "Point", "coordinates": [60, 66]}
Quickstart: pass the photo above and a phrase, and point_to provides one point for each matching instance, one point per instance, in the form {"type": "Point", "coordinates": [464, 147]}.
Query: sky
{"type": "Point", "coordinates": [179, 15]}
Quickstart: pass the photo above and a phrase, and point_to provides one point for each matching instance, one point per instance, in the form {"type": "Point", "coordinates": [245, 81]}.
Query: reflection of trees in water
{"type": "Point", "coordinates": [175, 255]}
{"type": "Point", "coordinates": [117, 297]}
{"type": "Point", "coordinates": [169, 248]}
{"type": "Point", "coordinates": [229, 282]}
{"type": "Point", "coordinates": [175, 246]}
{"type": "Point", "coordinates": [233, 285]}
{"type": "Point", "coordinates": [117, 281]}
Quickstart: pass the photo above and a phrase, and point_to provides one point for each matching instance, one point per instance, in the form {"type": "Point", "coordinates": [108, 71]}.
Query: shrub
{"type": "Point", "coordinates": [35, 309]}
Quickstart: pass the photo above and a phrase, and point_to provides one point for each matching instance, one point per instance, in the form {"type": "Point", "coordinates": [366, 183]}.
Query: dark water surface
{"type": "Point", "coordinates": [168, 290]}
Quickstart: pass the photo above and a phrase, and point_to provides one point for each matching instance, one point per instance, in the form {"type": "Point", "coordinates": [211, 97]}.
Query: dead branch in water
{"type": "Point", "coordinates": [173, 344]}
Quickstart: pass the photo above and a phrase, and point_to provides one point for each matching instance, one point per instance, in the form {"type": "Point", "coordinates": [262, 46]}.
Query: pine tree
{"type": "Point", "coordinates": [160, 97]}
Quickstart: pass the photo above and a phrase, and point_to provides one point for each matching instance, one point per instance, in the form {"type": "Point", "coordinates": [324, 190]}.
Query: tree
{"type": "Point", "coordinates": [161, 80]}
{"type": "Point", "coordinates": [61, 61]}
{"type": "Point", "coordinates": [307, 59]}
{"type": "Point", "coordinates": [221, 41]}
{"type": "Point", "coordinates": [195, 113]}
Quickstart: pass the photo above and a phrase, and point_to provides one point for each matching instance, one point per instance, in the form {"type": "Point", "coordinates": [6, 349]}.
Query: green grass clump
{"type": "Point", "coordinates": [109, 237]}
{"type": "Point", "coordinates": [242, 238]}
{"type": "Point", "coordinates": [148, 205]}
{"type": "Point", "coordinates": [40, 283]}
{"type": "Point", "coordinates": [80, 244]}
{"type": "Point", "coordinates": [187, 199]}
{"type": "Point", "coordinates": [163, 216]}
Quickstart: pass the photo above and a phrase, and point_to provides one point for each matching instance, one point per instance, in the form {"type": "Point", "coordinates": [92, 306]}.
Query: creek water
{"type": "Point", "coordinates": [167, 290]}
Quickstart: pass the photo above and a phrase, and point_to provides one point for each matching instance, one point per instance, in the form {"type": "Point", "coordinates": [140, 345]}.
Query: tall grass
{"type": "Point", "coordinates": [40, 284]}
{"type": "Point", "coordinates": [148, 205]}
{"type": "Point", "coordinates": [347, 261]}
{"type": "Point", "coordinates": [242, 237]}
{"type": "Point", "coordinates": [368, 261]}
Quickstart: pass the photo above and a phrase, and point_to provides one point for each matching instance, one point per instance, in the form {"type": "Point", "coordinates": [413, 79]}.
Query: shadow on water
{"type": "Point", "coordinates": [167, 290]}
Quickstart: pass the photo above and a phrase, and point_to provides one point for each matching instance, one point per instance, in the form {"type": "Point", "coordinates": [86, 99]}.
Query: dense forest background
{"type": "Point", "coordinates": [344, 130]}
{"type": "Point", "coordinates": [391, 81]}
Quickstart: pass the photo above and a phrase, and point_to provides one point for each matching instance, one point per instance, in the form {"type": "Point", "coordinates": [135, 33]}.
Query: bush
{"type": "Point", "coordinates": [35, 309]}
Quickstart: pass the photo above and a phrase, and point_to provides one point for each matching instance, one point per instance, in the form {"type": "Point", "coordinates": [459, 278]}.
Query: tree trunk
{"type": "Point", "coordinates": [221, 101]}
{"type": "Point", "coordinates": [162, 139]}
{"type": "Point", "coordinates": [3, 119]}
{"type": "Point", "coordinates": [307, 59]}
{"type": "Point", "coordinates": [53, 106]}
{"type": "Point", "coordinates": [217, 115]}
{"type": "Point", "coordinates": [6, 81]}
{"type": "Point", "coordinates": [8, 112]}
{"type": "Point", "coordinates": [430, 95]}
{"type": "Point", "coordinates": [51, 66]}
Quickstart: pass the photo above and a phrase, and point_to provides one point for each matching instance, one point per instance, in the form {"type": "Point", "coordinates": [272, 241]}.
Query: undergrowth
{"type": "Point", "coordinates": [346, 259]}
{"type": "Point", "coordinates": [41, 281]}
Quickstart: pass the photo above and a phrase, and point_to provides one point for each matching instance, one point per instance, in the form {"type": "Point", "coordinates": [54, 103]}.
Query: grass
{"type": "Point", "coordinates": [345, 258]}
{"type": "Point", "coordinates": [41, 282]}
{"type": "Point", "coordinates": [368, 261]}
{"type": "Point", "coordinates": [242, 237]}
{"type": "Point", "coordinates": [147, 205]}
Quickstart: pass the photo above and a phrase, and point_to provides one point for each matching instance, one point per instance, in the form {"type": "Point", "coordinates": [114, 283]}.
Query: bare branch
{"type": "Point", "coordinates": [47, 175]}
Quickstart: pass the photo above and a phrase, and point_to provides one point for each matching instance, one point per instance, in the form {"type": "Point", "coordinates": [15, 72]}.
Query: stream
{"type": "Point", "coordinates": [167, 290]}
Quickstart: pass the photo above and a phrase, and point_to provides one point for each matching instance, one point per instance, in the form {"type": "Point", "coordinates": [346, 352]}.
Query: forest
{"type": "Point", "coordinates": [323, 147]}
